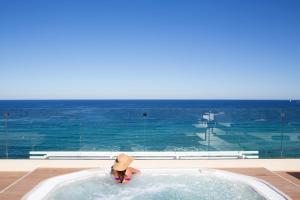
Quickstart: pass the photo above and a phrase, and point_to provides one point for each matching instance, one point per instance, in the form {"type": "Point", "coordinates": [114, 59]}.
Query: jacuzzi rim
{"type": "Point", "coordinates": [262, 187]}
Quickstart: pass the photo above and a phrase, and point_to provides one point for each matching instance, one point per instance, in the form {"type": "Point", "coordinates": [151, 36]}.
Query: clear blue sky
{"type": "Point", "coordinates": [93, 49]}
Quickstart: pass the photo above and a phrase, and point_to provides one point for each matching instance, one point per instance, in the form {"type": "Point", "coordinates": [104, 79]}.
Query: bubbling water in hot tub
{"type": "Point", "coordinates": [147, 186]}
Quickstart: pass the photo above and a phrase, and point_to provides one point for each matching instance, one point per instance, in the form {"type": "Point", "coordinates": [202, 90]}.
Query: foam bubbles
{"type": "Point", "coordinates": [157, 187]}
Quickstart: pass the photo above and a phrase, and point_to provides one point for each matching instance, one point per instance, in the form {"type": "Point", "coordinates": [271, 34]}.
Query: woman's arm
{"type": "Point", "coordinates": [128, 175]}
{"type": "Point", "coordinates": [134, 170]}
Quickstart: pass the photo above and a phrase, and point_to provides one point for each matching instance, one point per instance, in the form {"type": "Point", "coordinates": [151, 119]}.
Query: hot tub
{"type": "Point", "coordinates": [155, 184]}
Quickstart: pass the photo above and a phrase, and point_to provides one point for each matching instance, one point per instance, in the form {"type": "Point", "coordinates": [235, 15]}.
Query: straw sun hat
{"type": "Point", "coordinates": [122, 162]}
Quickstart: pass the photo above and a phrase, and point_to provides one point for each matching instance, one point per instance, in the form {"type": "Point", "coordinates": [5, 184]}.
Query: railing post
{"type": "Point", "coordinates": [6, 115]}
{"type": "Point", "coordinates": [145, 115]}
{"type": "Point", "coordinates": [282, 115]}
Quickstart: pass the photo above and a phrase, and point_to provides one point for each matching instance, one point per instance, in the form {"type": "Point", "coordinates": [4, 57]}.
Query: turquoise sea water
{"type": "Point", "coordinates": [272, 127]}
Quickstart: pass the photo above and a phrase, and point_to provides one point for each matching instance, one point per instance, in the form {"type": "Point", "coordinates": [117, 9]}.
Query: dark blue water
{"type": "Point", "coordinates": [272, 127]}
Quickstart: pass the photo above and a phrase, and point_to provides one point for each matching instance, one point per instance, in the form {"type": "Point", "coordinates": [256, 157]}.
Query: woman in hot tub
{"type": "Point", "coordinates": [121, 170]}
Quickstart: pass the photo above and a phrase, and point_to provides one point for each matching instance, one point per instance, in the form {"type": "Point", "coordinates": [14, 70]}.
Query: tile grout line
{"type": "Point", "coordinates": [286, 179]}
{"type": "Point", "coordinates": [16, 181]}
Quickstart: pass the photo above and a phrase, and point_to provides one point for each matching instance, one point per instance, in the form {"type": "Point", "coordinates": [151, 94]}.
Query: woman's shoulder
{"type": "Point", "coordinates": [133, 170]}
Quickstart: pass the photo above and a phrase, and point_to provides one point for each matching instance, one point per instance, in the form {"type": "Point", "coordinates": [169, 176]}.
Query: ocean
{"type": "Point", "coordinates": [270, 126]}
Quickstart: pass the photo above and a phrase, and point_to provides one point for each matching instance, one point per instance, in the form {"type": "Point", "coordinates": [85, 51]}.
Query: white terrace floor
{"type": "Point", "coordinates": [17, 177]}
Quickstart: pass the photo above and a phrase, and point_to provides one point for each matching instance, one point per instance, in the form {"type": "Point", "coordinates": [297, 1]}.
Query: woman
{"type": "Point", "coordinates": [121, 170]}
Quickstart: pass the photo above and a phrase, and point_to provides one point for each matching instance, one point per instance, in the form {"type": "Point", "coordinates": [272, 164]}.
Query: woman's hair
{"type": "Point", "coordinates": [121, 174]}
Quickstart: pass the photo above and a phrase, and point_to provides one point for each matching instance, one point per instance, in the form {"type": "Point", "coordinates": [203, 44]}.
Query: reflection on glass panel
{"type": "Point", "coordinates": [270, 127]}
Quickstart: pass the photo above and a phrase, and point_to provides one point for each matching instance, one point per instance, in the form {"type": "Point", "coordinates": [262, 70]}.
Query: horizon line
{"type": "Point", "coordinates": [145, 99]}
